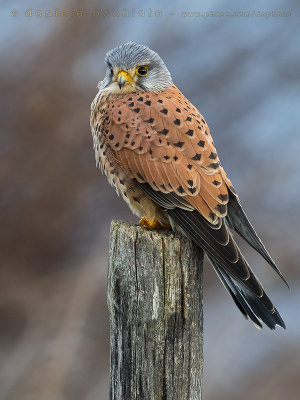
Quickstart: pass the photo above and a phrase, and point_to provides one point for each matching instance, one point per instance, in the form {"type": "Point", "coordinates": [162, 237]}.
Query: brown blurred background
{"type": "Point", "coordinates": [56, 208]}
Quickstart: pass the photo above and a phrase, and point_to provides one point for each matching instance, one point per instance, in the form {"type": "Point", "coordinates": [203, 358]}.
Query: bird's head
{"type": "Point", "coordinates": [132, 67]}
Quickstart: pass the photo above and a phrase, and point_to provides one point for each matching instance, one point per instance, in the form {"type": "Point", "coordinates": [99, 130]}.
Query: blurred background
{"type": "Point", "coordinates": [243, 73]}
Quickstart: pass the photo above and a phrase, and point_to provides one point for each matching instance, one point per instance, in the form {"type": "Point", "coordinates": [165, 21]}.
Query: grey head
{"type": "Point", "coordinates": [134, 67]}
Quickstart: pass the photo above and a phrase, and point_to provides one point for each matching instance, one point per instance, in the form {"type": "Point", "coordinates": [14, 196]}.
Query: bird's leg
{"type": "Point", "coordinates": [151, 223]}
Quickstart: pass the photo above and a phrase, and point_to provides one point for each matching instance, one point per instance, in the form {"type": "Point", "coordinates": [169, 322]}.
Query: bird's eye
{"type": "Point", "coordinates": [111, 71]}
{"type": "Point", "coordinates": [142, 71]}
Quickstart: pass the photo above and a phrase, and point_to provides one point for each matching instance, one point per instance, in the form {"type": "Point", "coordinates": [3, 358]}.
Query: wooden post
{"type": "Point", "coordinates": [156, 320]}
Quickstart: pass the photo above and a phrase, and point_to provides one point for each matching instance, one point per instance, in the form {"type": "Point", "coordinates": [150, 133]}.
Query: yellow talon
{"type": "Point", "coordinates": [151, 223]}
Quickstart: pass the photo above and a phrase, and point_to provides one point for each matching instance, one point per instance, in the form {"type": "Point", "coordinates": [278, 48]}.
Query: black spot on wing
{"type": "Point", "coordinates": [197, 157]}
{"type": "Point", "coordinates": [149, 121]}
{"type": "Point", "coordinates": [216, 183]}
{"type": "Point", "coordinates": [214, 165]}
{"type": "Point", "coordinates": [163, 131]}
{"type": "Point", "coordinates": [180, 189]}
{"type": "Point", "coordinates": [189, 132]}
{"type": "Point", "coordinates": [223, 197]}
{"type": "Point", "coordinates": [213, 155]}
{"type": "Point", "coordinates": [222, 208]}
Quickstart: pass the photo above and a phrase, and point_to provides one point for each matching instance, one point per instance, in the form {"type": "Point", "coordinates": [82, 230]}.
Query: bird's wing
{"type": "Point", "coordinates": [238, 220]}
{"type": "Point", "coordinates": [226, 258]}
{"type": "Point", "coordinates": [163, 142]}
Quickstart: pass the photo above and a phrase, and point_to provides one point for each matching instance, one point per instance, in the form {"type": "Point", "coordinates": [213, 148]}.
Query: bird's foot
{"type": "Point", "coordinates": [151, 223]}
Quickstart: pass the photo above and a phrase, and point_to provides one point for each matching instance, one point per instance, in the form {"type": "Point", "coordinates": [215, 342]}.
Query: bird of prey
{"type": "Point", "coordinates": [157, 151]}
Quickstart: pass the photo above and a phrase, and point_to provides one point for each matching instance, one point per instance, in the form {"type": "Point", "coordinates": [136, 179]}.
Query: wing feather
{"type": "Point", "coordinates": [164, 144]}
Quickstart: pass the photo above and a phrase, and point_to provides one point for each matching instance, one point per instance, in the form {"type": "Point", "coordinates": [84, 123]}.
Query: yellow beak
{"type": "Point", "coordinates": [123, 78]}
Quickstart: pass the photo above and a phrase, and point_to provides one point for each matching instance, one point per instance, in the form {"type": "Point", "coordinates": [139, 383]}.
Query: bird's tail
{"type": "Point", "coordinates": [237, 220]}
{"type": "Point", "coordinates": [230, 265]}
{"type": "Point", "coordinates": [219, 245]}
{"type": "Point", "coordinates": [249, 304]}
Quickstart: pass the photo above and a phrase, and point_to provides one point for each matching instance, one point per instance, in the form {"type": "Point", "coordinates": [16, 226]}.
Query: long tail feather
{"type": "Point", "coordinates": [239, 222]}
{"type": "Point", "coordinates": [232, 268]}
{"type": "Point", "coordinates": [247, 290]}
{"type": "Point", "coordinates": [248, 304]}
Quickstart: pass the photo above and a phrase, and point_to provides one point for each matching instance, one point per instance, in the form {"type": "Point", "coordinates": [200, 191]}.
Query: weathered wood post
{"type": "Point", "coordinates": [156, 320]}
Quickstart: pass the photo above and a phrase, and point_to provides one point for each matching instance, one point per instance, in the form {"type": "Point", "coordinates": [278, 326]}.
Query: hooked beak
{"type": "Point", "coordinates": [123, 78]}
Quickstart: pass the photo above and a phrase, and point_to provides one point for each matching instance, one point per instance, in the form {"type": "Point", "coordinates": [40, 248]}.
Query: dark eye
{"type": "Point", "coordinates": [110, 68]}
{"type": "Point", "coordinates": [142, 71]}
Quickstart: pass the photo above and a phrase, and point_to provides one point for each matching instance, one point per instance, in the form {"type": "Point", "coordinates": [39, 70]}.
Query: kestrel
{"type": "Point", "coordinates": [156, 150]}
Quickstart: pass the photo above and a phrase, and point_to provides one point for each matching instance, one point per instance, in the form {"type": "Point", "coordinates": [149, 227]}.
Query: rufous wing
{"type": "Point", "coordinates": [163, 140]}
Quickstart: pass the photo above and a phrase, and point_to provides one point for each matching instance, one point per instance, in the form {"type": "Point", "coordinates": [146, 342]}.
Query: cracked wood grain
{"type": "Point", "coordinates": [156, 319]}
